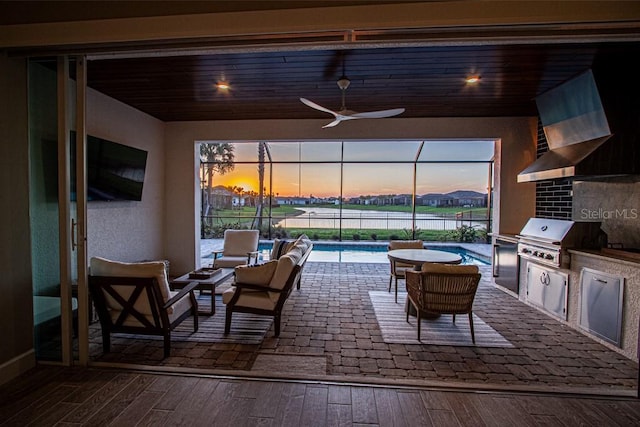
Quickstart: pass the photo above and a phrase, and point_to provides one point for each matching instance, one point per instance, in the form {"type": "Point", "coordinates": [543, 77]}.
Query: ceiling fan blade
{"type": "Point", "coordinates": [333, 123]}
{"type": "Point", "coordinates": [378, 114]}
{"type": "Point", "coordinates": [313, 105]}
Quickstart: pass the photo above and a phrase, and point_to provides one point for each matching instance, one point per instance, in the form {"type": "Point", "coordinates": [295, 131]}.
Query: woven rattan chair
{"type": "Point", "coordinates": [443, 289]}
{"type": "Point", "coordinates": [398, 269]}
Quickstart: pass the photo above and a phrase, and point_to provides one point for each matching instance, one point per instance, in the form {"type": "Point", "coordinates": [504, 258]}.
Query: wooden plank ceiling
{"type": "Point", "coordinates": [427, 81]}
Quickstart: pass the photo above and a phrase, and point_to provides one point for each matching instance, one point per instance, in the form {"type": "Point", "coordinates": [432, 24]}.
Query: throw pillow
{"type": "Point", "coordinates": [280, 247]}
{"type": "Point", "coordinates": [286, 263]}
{"type": "Point", "coordinates": [257, 274]}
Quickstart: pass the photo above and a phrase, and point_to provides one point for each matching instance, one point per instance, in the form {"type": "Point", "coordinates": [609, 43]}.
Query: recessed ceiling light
{"type": "Point", "coordinates": [223, 86]}
{"type": "Point", "coordinates": [472, 79]}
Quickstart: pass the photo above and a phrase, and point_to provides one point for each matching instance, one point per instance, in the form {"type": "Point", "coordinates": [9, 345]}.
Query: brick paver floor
{"type": "Point", "coordinates": [332, 317]}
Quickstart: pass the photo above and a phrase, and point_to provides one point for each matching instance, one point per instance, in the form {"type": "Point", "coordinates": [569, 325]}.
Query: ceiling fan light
{"type": "Point", "coordinates": [344, 83]}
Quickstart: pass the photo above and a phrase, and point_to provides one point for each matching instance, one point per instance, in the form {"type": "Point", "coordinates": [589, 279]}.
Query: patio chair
{"type": "Point", "coordinates": [135, 298]}
{"type": "Point", "coordinates": [443, 289]}
{"type": "Point", "coordinates": [398, 268]}
{"type": "Point", "coordinates": [264, 288]}
{"type": "Point", "coordinates": [240, 247]}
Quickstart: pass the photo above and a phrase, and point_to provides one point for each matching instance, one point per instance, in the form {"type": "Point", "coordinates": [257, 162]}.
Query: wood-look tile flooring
{"type": "Point", "coordinates": [60, 396]}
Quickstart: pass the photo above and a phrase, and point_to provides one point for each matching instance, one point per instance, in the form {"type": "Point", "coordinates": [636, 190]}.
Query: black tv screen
{"type": "Point", "coordinates": [114, 171]}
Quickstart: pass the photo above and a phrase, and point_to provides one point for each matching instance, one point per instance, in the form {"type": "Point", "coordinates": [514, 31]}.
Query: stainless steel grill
{"type": "Point", "coordinates": [546, 241]}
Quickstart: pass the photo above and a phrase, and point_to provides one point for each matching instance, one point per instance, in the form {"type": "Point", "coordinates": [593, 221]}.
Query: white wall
{"type": "Point", "coordinates": [516, 135]}
{"type": "Point", "coordinates": [128, 230]}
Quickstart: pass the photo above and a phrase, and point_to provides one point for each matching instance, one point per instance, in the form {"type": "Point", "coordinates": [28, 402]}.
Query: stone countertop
{"type": "Point", "coordinates": [630, 258]}
{"type": "Point", "coordinates": [509, 237]}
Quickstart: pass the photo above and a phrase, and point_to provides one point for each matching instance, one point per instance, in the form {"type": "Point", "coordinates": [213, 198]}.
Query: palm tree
{"type": "Point", "coordinates": [261, 147]}
{"type": "Point", "coordinates": [214, 157]}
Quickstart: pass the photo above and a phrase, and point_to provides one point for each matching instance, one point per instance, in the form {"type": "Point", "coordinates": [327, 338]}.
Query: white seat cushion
{"type": "Point", "coordinates": [230, 261]}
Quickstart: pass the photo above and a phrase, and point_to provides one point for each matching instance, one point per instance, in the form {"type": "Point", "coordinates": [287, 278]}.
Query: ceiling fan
{"type": "Point", "coordinates": [345, 114]}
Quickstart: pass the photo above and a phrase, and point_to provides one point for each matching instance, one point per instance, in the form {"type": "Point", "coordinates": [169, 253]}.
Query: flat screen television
{"type": "Point", "coordinates": [114, 171]}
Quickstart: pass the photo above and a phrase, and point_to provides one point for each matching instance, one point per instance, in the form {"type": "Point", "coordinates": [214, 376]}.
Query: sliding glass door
{"type": "Point", "coordinates": [57, 248]}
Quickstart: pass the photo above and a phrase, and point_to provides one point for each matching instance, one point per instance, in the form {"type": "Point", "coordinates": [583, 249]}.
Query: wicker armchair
{"type": "Point", "coordinates": [397, 269]}
{"type": "Point", "coordinates": [443, 289]}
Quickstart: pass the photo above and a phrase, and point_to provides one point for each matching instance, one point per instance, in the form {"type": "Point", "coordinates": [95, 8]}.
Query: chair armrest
{"type": "Point", "coordinates": [240, 286]}
{"type": "Point", "coordinates": [254, 255]}
{"type": "Point", "coordinates": [188, 288]}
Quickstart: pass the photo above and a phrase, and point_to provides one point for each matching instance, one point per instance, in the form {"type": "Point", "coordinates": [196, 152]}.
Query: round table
{"type": "Point", "coordinates": [417, 257]}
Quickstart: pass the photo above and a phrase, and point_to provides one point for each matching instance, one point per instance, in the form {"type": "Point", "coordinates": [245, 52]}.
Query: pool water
{"type": "Point", "coordinates": [340, 252]}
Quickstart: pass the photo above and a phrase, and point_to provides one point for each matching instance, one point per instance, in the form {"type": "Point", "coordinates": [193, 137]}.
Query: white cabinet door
{"type": "Point", "coordinates": [547, 289]}
{"type": "Point", "coordinates": [601, 298]}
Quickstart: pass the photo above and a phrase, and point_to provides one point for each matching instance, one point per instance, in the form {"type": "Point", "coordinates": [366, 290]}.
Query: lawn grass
{"type": "Point", "coordinates": [243, 218]}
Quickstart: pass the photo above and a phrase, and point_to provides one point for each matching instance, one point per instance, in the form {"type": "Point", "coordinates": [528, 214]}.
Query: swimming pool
{"type": "Point", "coordinates": [345, 252]}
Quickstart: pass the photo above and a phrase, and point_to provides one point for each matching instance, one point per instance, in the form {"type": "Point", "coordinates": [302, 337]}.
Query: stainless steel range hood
{"type": "Point", "coordinates": [578, 134]}
{"type": "Point", "coordinates": [569, 161]}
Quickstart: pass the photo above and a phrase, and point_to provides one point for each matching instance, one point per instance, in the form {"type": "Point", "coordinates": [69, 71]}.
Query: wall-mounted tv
{"type": "Point", "coordinates": [114, 171]}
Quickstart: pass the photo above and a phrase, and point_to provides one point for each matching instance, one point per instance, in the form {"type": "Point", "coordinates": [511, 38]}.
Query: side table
{"type": "Point", "coordinates": [204, 284]}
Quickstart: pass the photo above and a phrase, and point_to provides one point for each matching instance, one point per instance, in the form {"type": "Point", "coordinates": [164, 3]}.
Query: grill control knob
{"type": "Point", "coordinates": [549, 256]}
{"type": "Point", "coordinates": [541, 254]}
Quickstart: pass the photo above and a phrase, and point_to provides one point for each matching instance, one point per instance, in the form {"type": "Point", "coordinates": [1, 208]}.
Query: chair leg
{"type": "Point", "coordinates": [396, 290]}
{"type": "Point", "coordinates": [227, 321]}
{"type": "Point", "coordinates": [167, 344]}
{"type": "Point", "coordinates": [454, 318]}
{"type": "Point", "coordinates": [194, 310]}
{"type": "Point", "coordinates": [106, 341]}
{"type": "Point", "coordinates": [419, 321]}
{"type": "Point", "coordinates": [390, 282]}
{"type": "Point", "coordinates": [276, 321]}
{"type": "Point", "coordinates": [473, 336]}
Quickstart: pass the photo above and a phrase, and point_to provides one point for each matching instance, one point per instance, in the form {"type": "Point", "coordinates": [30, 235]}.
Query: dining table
{"type": "Point", "coordinates": [417, 257]}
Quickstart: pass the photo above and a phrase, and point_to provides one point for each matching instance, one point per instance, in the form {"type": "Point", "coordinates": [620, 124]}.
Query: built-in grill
{"type": "Point", "coordinates": [544, 244]}
{"type": "Point", "coordinates": [546, 241]}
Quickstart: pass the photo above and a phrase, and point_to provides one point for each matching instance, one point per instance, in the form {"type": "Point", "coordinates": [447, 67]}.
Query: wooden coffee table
{"type": "Point", "coordinates": [204, 284]}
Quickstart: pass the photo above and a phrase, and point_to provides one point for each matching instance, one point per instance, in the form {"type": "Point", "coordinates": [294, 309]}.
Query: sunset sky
{"type": "Point", "coordinates": [323, 179]}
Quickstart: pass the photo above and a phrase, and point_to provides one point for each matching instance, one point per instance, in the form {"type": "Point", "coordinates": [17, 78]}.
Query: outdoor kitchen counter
{"type": "Point", "coordinates": [613, 264]}
{"type": "Point", "coordinates": [632, 260]}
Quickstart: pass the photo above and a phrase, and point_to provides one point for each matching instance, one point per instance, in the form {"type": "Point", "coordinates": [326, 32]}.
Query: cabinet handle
{"type": "Point", "coordinates": [74, 224]}
{"type": "Point", "coordinates": [496, 268]}
{"type": "Point", "coordinates": [597, 279]}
